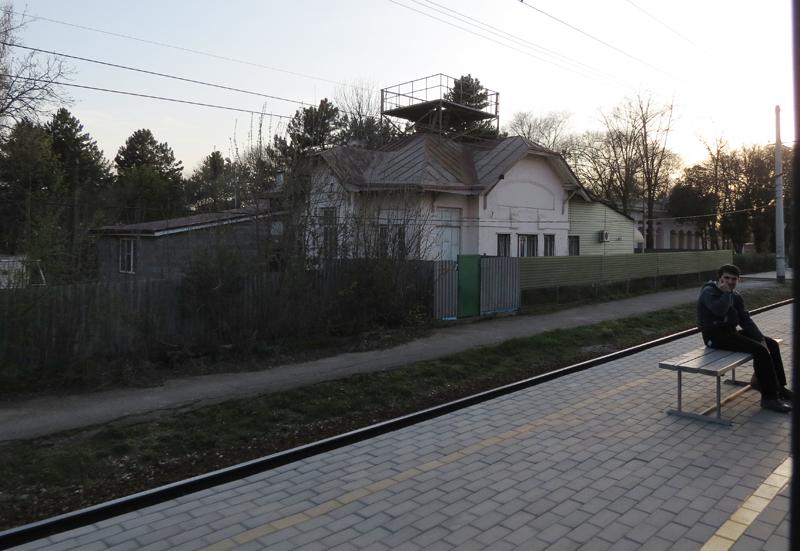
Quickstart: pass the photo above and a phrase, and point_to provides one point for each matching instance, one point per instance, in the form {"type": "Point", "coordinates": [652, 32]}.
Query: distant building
{"type": "Point", "coordinates": [670, 233]}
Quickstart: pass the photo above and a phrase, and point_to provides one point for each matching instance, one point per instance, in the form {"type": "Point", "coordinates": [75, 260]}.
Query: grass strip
{"type": "Point", "coordinates": [56, 474]}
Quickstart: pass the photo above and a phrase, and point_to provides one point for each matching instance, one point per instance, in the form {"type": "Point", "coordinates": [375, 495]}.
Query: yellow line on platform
{"type": "Point", "coordinates": [379, 485]}
{"type": "Point", "coordinates": [727, 535]}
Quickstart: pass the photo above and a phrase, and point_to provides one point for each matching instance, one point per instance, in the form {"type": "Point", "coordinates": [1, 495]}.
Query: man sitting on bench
{"type": "Point", "coordinates": [719, 310]}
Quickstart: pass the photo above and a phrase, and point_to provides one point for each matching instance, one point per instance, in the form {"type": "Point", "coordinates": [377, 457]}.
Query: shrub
{"type": "Point", "coordinates": [753, 263]}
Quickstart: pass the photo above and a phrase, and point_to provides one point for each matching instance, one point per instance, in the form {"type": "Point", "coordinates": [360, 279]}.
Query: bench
{"type": "Point", "coordinates": [708, 361]}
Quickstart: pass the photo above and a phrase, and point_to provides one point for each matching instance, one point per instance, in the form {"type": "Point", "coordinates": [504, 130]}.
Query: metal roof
{"type": "Point", "coordinates": [430, 162]}
{"type": "Point", "coordinates": [155, 228]}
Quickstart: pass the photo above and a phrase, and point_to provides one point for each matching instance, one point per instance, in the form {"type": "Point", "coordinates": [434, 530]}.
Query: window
{"type": "Point", "coordinates": [383, 241]}
{"type": "Point", "coordinates": [329, 237]}
{"type": "Point", "coordinates": [528, 245]}
{"type": "Point", "coordinates": [399, 235]}
{"type": "Point", "coordinates": [392, 241]}
{"type": "Point", "coordinates": [127, 256]}
{"type": "Point", "coordinates": [449, 239]}
{"type": "Point", "coordinates": [574, 245]}
{"type": "Point", "coordinates": [503, 244]}
{"type": "Point", "coordinates": [549, 245]}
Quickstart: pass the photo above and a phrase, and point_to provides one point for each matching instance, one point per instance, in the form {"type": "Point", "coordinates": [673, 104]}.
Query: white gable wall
{"type": "Point", "coordinates": [529, 200]}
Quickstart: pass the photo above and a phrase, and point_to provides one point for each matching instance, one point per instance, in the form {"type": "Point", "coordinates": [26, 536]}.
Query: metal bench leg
{"type": "Point", "coordinates": [701, 416]}
{"type": "Point", "coordinates": [733, 381]}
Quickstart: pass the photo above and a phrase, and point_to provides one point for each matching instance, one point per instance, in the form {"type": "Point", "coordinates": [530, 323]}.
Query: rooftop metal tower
{"type": "Point", "coordinates": [439, 104]}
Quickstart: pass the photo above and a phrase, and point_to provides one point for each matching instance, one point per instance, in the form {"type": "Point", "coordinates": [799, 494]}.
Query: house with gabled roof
{"type": "Point", "coordinates": [431, 197]}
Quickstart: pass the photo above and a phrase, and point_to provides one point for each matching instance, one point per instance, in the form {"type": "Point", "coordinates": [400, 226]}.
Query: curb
{"type": "Point", "coordinates": [96, 513]}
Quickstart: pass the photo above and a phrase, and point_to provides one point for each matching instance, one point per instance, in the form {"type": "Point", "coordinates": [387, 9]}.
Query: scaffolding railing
{"type": "Point", "coordinates": [434, 88]}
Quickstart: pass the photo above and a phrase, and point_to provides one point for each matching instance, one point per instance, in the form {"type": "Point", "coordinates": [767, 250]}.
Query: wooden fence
{"type": "Point", "coordinates": [57, 325]}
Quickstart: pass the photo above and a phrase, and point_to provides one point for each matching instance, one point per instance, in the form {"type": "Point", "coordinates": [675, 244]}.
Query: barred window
{"type": "Point", "coordinates": [503, 244]}
{"type": "Point", "coordinates": [527, 245]}
{"type": "Point", "coordinates": [549, 245]}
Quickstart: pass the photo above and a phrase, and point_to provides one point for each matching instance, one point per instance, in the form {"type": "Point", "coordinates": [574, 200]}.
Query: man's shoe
{"type": "Point", "coordinates": [774, 404]}
{"type": "Point", "coordinates": [785, 394]}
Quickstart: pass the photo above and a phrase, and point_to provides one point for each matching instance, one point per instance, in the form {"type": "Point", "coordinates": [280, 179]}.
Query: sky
{"type": "Point", "coordinates": [724, 64]}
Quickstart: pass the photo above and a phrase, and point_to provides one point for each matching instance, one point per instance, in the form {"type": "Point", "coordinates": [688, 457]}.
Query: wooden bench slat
{"type": "Point", "coordinates": [721, 366]}
{"type": "Point", "coordinates": [694, 360]}
{"type": "Point", "coordinates": [707, 361]}
{"type": "Point", "coordinates": [687, 362]}
{"type": "Point", "coordinates": [697, 353]}
{"type": "Point", "coordinates": [715, 357]}
{"type": "Point", "coordinates": [686, 356]}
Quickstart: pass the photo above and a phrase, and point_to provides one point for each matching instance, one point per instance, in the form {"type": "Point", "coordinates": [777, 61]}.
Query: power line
{"type": "Point", "coordinates": [154, 73]}
{"type": "Point", "coordinates": [409, 221]}
{"type": "Point", "coordinates": [596, 39]}
{"type": "Point", "coordinates": [162, 98]}
{"type": "Point", "coordinates": [500, 32]}
{"type": "Point", "coordinates": [524, 52]}
{"type": "Point", "coordinates": [166, 75]}
{"type": "Point", "coordinates": [180, 48]}
{"type": "Point", "coordinates": [714, 214]}
{"type": "Point", "coordinates": [660, 22]}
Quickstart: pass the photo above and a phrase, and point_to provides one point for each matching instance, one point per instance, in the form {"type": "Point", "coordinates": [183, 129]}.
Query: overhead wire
{"type": "Point", "coordinates": [166, 75]}
{"type": "Point", "coordinates": [598, 40]}
{"type": "Point", "coordinates": [500, 32]}
{"type": "Point", "coordinates": [412, 221]}
{"type": "Point", "coordinates": [668, 27]}
{"type": "Point", "coordinates": [179, 48]}
{"type": "Point", "coordinates": [509, 46]}
{"type": "Point", "coordinates": [154, 73]}
{"type": "Point", "coordinates": [149, 96]}
{"type": "Point", "coordinates": [195, 81]}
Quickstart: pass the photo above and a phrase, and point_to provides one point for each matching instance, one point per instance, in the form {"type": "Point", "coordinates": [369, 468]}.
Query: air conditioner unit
{"type": "Point", "coordinates": [603, 236]}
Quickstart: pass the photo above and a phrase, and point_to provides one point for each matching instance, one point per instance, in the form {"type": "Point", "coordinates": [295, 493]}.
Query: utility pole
{"type": "Point", "coordinates": [780, 260]}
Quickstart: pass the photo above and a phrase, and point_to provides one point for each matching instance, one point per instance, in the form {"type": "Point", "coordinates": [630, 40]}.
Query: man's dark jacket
{"type": "Point", "coordinates": [720, 312]}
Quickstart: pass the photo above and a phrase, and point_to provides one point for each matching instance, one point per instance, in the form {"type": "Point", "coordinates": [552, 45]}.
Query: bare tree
{"type": "Point", "coordinates": [29, 83]}
{"type": "Point", "coordinates": [591, 162]}
{"type": "Point", "coordinates": [656, 160]}
{"type": "Point", "coordinates": [623, 132]}
{"type": "Point", "coordinates": [549, 130]}
{"type": "Point", "coordinates": [359, 104]}
{"type": "Point", "coordinates": [609, 160]}
{"type": "Point", "coordinates": [360, 100]}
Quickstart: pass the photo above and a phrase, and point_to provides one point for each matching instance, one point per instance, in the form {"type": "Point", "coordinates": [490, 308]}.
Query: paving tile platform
{"type": "Point", "coordinates": [587, 461]}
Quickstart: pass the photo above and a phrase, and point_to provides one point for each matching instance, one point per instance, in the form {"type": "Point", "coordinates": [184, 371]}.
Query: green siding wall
{"type": "Point", "coordinates": [587, 220]}
{"type": "Point", "coordinates": [555, 271]}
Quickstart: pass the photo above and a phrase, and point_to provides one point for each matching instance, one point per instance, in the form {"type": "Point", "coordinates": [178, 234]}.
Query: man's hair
{"type": "Point", "coordinates": [729, 269]}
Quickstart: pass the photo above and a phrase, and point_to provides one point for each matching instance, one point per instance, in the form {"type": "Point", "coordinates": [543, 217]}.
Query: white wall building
{"type": "Point", "coordinates": [434, 198]}
{"type": "Point", "coordinates": [669, 232]}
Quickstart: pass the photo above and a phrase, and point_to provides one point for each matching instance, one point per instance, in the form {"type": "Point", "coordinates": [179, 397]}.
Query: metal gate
{"type": "Point", "coordinates": [476, 286]}
{"type": "Point", "coordinates": [469, 285]}
{"type": "Point", "coordinates": [445, 290]}
{"type": "Point", "coordinates": [500, 285]}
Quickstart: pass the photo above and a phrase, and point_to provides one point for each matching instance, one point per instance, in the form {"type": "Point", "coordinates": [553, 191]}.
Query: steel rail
{"type": "Point", "coordinates": [103, 511]}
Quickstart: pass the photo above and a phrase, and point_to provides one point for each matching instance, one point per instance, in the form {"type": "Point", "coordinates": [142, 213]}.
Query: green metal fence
{"type": "Point", "coordinates": [556, 271]}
